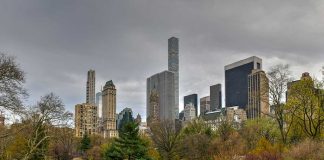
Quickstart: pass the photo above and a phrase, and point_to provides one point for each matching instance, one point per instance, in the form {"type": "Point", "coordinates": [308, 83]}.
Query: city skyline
{"type": "Point", "coordinates": [55, 52]}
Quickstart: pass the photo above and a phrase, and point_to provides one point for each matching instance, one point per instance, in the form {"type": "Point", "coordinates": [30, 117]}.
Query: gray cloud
{"type": "Point", "coordinates": [56, 42]}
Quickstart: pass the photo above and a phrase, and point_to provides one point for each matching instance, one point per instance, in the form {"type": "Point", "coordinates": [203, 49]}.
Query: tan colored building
{"type": "Point", "coordinates": [90, 99]}
{"type": "Point", "coordinates": [258, 94]}
{"type": "Point", "coordinates": [109, 110]}
{"type": "Point", "coordinates": [86, 119]}
{"type": "Point", "coordinates": [204, 105]}
{"type": "Point", "coordinates": [235, 114]}
{"type": "Point", "coordinates": [154, 108]}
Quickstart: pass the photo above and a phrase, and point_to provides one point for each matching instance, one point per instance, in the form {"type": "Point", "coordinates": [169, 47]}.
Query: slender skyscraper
{"type": "Point", "coordinates": [173, 66]}
{"type": "Point", "coordinates": [236, 81]}
{"type": "Point", "coordinates": [91, 87]}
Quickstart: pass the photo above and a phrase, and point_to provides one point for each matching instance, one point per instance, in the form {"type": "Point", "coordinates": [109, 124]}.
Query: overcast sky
{"type": "Point", "coordinates": [57, 41]}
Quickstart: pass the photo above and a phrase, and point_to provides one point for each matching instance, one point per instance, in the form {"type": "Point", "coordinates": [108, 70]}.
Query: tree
{"type": "Point", "coordinates": [11, 84]}
{"type": "Point", "coordinates": [85, 143]}
{"type": "Point", "coordinates": [166, 139]}
{"type": "Point", "coordinates": [195, 140]}
{"type": "Point", "coordinates": [256, 129]}
{"type": "Point", "coordinates": [63, 143]}
{"type": "Point", "coordinates": [129, 145]}
{"type": "Point", "coordinates": [279, 76]}
{"type": "Point", "coordinates": [48, 112]}
{"type": "Point", "coordinates": [307, 101]}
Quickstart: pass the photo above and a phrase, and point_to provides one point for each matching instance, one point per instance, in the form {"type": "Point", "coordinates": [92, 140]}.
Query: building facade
{"type": "Point", "coordinates": [91, 81]}
{"type": "Point", "coordinates": [86, 119]}
{"type": "Point", "coordinates": [99, 103]}
{"type": "Point", "coordinates": [189, 112]}
{"type": "Point", "coordinates": [160, 97]}
{"type": "Point", "coordinates": [204, 105]}
{"type": "Point", "coordinates": [173, 66]}
{"type": "Point", "coordinates": [193, 99]}
{"type": "Point", "coordinates": [125, 115]}
{"type": "Point", "coordinates": [235, 115]}
{"type": "Point", "coordinates": [109, 110]}
{"type": "Point", "coordinates": [236, 81]}
{"type": "Point", "coordinates": [258, 94]}
{"type": "Point", "coordinates": [215, 97]}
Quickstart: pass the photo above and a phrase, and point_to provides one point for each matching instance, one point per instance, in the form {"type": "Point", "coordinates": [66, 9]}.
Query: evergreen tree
{"type": "Point", "coordinates": [85, 143]}
{"type": "Point", "coordinates": [129, 145]}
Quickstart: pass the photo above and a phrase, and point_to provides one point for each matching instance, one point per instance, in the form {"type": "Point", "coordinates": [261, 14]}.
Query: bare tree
{"type": "Point", "coordinates": [11, 84]}
{"type": "Point", "coordinates": [48, 112]}
{"type": "Point", "coordinates": [166, 139]}
{"type": "Point", "coordinates": [279, 76]}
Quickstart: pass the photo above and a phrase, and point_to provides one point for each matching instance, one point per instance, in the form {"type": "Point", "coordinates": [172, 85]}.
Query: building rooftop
{"type": "Point", "coordinates": [242, 62]}
{"type": "Point", "coordinates": [110, 83]}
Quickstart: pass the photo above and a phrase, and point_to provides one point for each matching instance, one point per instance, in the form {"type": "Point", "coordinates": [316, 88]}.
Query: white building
{"type": "Point", "coordinates": [189, 112]}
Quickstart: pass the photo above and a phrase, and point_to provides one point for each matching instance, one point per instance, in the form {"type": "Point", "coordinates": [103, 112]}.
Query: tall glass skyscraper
{"type": "Point", "coordinates": [173, 66]}
{"type": "Point", "coordinates": [236, 81]}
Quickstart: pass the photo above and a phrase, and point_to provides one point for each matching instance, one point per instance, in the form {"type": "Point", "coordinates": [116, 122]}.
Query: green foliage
{"type": "Point", "coordinates": [85, 143]}
{"type": "Point", "coordinates": [306, 100]}
{"type": "Point", "coordinates": [129, 145]}
{"type": "Point", "coordinates": [196, 126]}
{"type": "Point", "coordinates": [254, 130]}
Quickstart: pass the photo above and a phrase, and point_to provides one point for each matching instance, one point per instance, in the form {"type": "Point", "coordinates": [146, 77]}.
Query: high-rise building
{"type": "Point", "coordinates": [236, 81]}
{"type": "Point", "coordinates": [192, 98]}
{"type": "Point", "coordinates": [126, 115]}
{"type": "Point", "coordinates": [99, 103]}
{"type": "Point", "coordinates": [160, 97]}
{"type": "Point", "coordinates": [258, 94]}
{"type": "Point", "coordinates": [109, 110]}
{"type": "Point", "coordinates": [86, 119]}
{"type": "Point", "coordinates": [204, 105]}
{"type": "Point", "coordinates": [215, 97]}
{"type": "Point", "coordinates": [90, 99]}
{"type": "Point", "coordinates": [189, 112]}
{"type": "Point", "coordinates": [173, 65]}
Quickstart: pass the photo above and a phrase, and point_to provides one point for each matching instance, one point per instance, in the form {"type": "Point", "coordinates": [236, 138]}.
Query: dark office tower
{"type": "Point", "coordinates": [236, 81]}
{"type": "Point", "coordinates": [215, 97]}
{"type": "Point", "coordinates": [193, 98]}
{"type": "Point", "coordinates": [173, 66]}
{"type": "Point", "coordinates": [91, 87]}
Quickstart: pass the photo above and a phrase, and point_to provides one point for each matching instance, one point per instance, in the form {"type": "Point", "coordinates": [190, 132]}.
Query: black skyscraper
{"type": "Point", "coordinates": [236, 81]}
